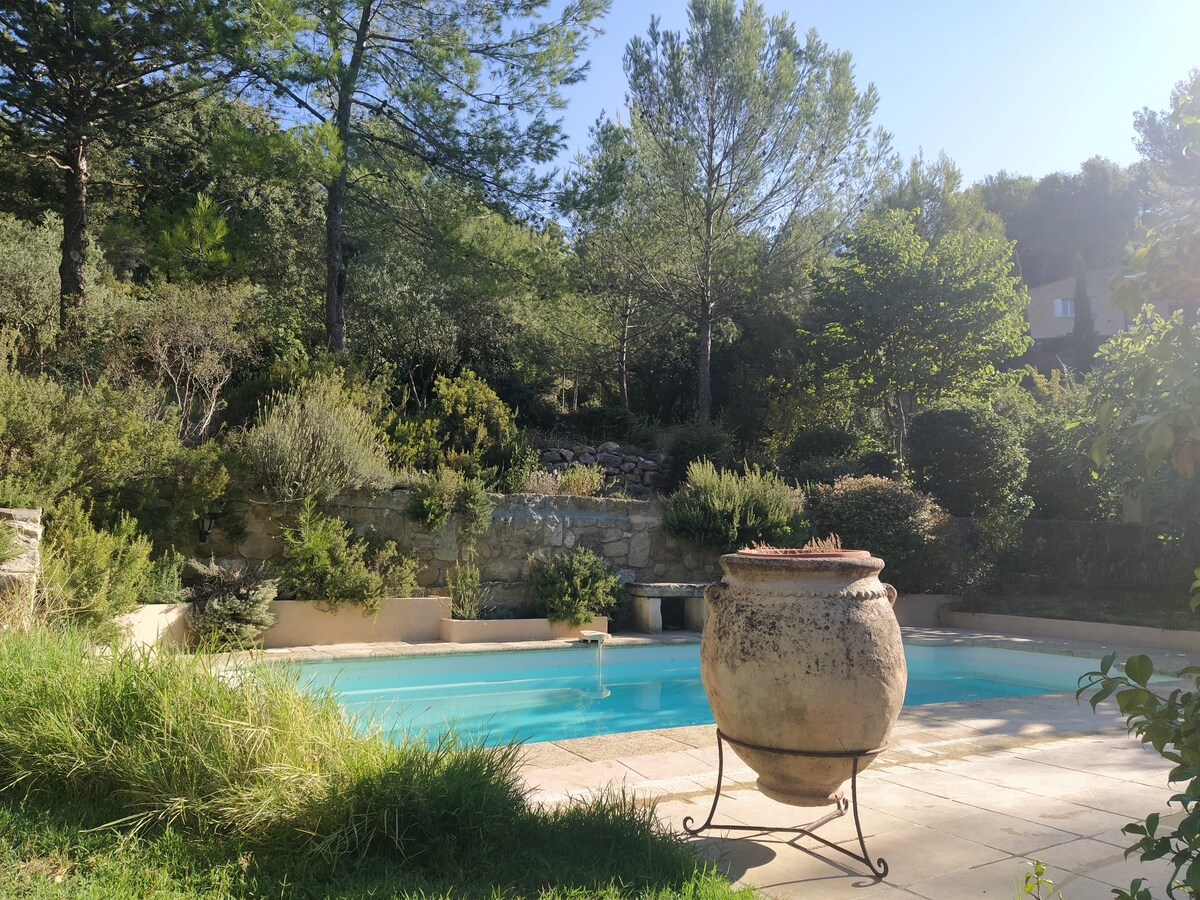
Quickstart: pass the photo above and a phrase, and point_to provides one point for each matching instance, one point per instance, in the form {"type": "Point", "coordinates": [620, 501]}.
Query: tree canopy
{"type": "Point", "coordinates": [911, 321]}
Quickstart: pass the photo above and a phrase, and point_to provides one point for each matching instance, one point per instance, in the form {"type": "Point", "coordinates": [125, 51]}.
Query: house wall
{"type": "Point", "coordinates": [1044, 324]}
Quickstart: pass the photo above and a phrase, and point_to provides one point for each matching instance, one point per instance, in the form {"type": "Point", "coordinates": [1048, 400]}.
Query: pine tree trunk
{"type": "Point", "coordinates": [335, 265]}
{"type": "Point", "coordinates": [72, 268]}
{"type": "Point", "coordinates": [704, 366]}
{"type": "Point", "coordinates": [335, 204]}
{"type": "Point", "coordinates": [623, 354]}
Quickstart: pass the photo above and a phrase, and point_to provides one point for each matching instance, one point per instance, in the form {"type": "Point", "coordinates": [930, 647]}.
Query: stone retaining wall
{"type": "Point", "coordinates": [20, 574]}
{"type": "Point", "coordinates": [639, 473]}
{"type": "Point", "coordinates": [628, 533]}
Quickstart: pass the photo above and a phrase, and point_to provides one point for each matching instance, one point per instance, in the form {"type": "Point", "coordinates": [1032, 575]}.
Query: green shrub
{"type": "Point", "coordinates": [969, 458]}
{"type": "Point", "coordinates": [881, 463]}
{"type": "Point", "coordinates": [314, 442]}
{"type": "Point", "coordinates": [573, 587]}
{"type": "Point", "coordinates": [165, 584]}
{"type": "Point", "coordinates": [91, 574]}
{"type": "Point", "coordinates": [1061, 481]}
{"type": "Point", "coordinates": [439, 494]}
{"type": "Point", "coordinates": [476, 431]}
{"type": "Point", "coordinates": [820, 469]}
{"type": "Point", "coordinates": [725, 511]}
{"type": "Point", "coordinates": [209, 772]}
{"type": "Point", "coordinates": [690, 443]}
{"type": "Point", "coordinates": [825, 441]}
{"type": "Point", "coordinates": [468, 597]}
{"type": "Point", "coordinates": [115, 447]}
{"type": "Point", "coordinates": [896, 523]}
{"type": "Point", "coordinates": [324, 563]}
{"type": "Point", "coordinates": [230, 607]}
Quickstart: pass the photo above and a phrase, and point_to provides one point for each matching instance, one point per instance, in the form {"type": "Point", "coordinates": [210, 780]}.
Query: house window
{"type": "Point", "coordinates": [1064, 309]}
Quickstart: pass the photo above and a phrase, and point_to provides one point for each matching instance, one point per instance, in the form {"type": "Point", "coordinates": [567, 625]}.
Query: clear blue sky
{"type": "Point", "coordinates": [1031, 86]}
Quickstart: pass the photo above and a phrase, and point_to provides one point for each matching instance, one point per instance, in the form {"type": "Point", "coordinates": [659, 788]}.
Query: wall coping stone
{"type": "Point", "coordinates": [666, 589]}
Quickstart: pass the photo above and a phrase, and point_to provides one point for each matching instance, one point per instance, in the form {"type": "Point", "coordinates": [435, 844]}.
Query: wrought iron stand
{"type": "Point", "coordinates": [878, 868]}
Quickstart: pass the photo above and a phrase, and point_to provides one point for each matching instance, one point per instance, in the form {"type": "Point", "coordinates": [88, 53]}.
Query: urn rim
{"type": "Point", "coordinates": [855, 564]}
{"type": "Point", "coordinates": [795, 553]}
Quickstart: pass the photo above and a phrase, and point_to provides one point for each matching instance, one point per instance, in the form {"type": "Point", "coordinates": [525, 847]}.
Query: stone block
{"type": "Point", "coordinates": [586, 459]}
{"type": "Point", "coordinates": [628, 466]}
{"type": "Point", "coordinates": [567, 455]}
{"type": "Point", "coordinates": [609, 459]}
{"type": "Point", "coordinates": [639, 549]}
{"type": "Point", "coordinates": [501, 570]}
{"type": "Point", "coordinates": [551, 456]}
{"type": "Point", "coordinates": [610, 447]}
{"type": "Point", "coordinates": [616, 550]}
{"type": "Point", "coordinates": [695, 611]}
{"type": "Point", "coordinates": [647, 615]}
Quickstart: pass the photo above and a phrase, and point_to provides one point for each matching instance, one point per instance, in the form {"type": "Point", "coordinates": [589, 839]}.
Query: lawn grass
{"type": "Point", "coordinates": [128, 776]}
{"type": "Point", "coordinates": [44, 854]}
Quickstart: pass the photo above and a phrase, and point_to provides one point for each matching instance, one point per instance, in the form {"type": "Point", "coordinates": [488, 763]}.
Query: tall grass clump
{"type": "Point", "coordinates": [573, 481]}
{"type": "Point", "coordinates": [246, 760]}
{"type": "Point", "coordinates": [165, 741]}
{"type": "Point", "coordinates": [313, 441]}
{"type": "Point", "coordinates": [720, 509]}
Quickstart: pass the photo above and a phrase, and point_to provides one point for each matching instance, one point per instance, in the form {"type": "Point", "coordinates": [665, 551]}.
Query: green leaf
{"type": "Point", "coordinates": [1139, 668]}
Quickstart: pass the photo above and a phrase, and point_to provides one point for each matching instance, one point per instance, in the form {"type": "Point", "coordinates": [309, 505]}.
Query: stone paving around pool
{"type": "Point", "coordinates": [965, 796]}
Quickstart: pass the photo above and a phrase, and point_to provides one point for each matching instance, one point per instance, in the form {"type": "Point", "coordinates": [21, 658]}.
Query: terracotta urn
{"type": "Point", "coordinates": [801, 651]}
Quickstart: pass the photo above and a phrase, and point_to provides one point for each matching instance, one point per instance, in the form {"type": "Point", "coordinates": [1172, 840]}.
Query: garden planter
{"type": "Point", "coordinates": [306, 623]}
{"type": "Point", "coordinates": [801, 651]}
{"type": "Point", "coordinates": [489, 631]}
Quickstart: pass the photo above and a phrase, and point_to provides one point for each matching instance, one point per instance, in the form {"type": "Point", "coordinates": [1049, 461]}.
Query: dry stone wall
{"type": "Point", "coordinates": [638, 472]}
{"type": "Point", "coordinates": [628, 533]}
{"type": "Point", "coordinates": [20, 573]}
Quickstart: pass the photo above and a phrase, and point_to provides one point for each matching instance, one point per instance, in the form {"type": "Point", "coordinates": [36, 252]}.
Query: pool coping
{"type": "Point", "coordinates": [1165, 660]}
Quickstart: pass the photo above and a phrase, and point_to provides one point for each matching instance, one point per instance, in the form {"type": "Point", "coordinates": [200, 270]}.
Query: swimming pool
{"type": "Point", "coordinates": [547, 695]}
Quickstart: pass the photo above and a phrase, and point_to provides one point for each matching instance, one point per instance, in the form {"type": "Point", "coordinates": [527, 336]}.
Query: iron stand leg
{"type": "Point", "coordinates": [878, 868]}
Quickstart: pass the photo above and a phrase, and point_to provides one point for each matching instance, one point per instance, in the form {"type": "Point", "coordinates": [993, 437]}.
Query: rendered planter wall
{"type": "Point", "coordinates": [162, 626]}
{"type": "Point", "coordinates": [498, 631]}
{"type": "Point", "coordinates": [300, 623]}
{"type": "Point", "coordinates": [305, 623]}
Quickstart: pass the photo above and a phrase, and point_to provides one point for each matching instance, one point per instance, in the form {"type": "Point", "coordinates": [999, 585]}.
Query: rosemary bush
{"type": "Point", "coordinates": [313, 441]}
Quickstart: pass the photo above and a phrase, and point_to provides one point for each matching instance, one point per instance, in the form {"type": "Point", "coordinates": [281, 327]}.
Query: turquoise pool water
{"type": "Point", "coordinates": [548, 695]}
